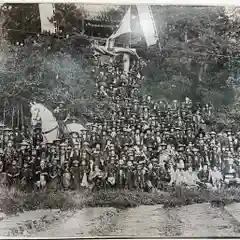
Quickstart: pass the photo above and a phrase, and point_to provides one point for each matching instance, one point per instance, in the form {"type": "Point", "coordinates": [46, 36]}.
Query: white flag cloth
{"type": "Point", "coordinates": [125, 25]}
{"type": "Point", "coordinates": [147, 24]}
{"type": "Point", "coordinates": [46, 12]}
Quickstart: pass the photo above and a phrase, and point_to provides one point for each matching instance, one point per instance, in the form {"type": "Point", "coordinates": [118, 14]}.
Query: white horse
{"type": "Point", "coordinates": [50, 126]}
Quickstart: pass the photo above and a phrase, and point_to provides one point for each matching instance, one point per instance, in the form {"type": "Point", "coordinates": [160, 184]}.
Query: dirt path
{"type": "Point", "coordinates": [23, 223]}
{"type": "Point", "coordinates": [80, 223]}
{"type": "Point", "coordinates": [199, 220]}
{"type": "Point", "coordinates": [203, 221]}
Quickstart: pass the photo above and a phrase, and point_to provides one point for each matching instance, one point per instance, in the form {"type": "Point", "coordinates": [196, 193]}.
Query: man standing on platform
{"type": "Point", "coordinates": [62, 116]}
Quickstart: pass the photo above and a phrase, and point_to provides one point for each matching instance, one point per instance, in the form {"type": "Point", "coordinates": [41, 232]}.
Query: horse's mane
{"type": "Point", "coordinates": [48, 107]}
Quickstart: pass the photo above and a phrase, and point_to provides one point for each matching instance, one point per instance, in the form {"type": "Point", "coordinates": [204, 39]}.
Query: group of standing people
{"type": "Point", "coordinates": [136, 143]}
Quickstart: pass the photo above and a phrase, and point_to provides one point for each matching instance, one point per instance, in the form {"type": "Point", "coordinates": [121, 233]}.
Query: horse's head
{"type": "Point", "coordinates": [32, 106]}
{"type": "Point", "coordinates": [35, 113]}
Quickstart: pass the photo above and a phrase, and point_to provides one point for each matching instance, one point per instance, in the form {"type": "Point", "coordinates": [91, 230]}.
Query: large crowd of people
{"type": "Point", "coordinates": [138, 144]}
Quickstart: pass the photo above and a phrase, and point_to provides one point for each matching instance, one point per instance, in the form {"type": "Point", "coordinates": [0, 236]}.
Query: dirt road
{"type": "Point", "coordinates": [199, 220]}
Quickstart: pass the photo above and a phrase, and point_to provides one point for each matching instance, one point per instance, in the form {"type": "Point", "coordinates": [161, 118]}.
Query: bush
{"type": "Point", "coordinates": [14, 201]}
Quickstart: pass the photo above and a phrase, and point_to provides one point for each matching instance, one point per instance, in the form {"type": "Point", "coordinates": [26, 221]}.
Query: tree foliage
{"type": "Point", "coordinates": [194, 60]}
{"type": "Point", "coordinates": [197, 51]}
{"type": "Point", "coordinates": [198, 57]}
{"type": "Point", "coordinates": [44, 68]}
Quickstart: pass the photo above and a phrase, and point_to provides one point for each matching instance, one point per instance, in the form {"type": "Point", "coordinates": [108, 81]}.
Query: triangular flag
{"type": "Point", "coordinates": [125, 25]}
{"type": "Point", "coordinates": [46, 13]}
{"type": "Point", "coordinates": [147, 23]}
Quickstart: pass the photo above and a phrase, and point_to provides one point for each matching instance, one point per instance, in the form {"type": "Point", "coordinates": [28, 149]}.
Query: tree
{"type": "Point", "coordinates": [20, 21]}
{"type": "Point", "coordinates": [40, 67]}
{"type": "Point", "coordinates": [194, 60]}
{"type": "Point", "coordinates": [23, 20]}
{"type": "Point", "coordinates": [33, 73]}
{"type": "Point", "coordinates": [195, 50]}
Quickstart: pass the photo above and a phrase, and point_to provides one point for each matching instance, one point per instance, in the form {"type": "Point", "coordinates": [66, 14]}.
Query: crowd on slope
{"type": "Point", "coordinates": [139, 144]}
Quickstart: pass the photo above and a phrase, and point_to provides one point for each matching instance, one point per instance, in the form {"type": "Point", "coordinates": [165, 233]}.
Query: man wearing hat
{"type": "Point", "coordinates": [120, 174]}
{"type": "Point", "coordinates": [42, 174]}
{"type": "Point", "coordinates": [135, 107]}
{"type": "Point", "coordinates": [62, 153]}
{"type": "Point", "coordinates": [138, 177]}
{"type": "Point", "coordinates": [216, 177]}
{"type": "Point", "coordinates": [138, 138]}
{"type": "Point", "coordinates": [129, 173]}
{"type": "Point", "coordinates": [204, 176]}
{"type": "Point", "coordinates": [84, 136]}
{"type": "Point", "coordinates": [163, 155]}
{"type": "Point", "coordinates": [13, 174]}
{"type": "Point", "coordinates": [148, 138]}
{"type": "Point", "coordinates": [111, 173]}
{"type": "Point", "coordinates": [146, 114]}
{"type": "Point", "coordinates": [76, 174]}
{"type": "Point", "coordinates": [17, 138]}
{"type": "Point", "coordinates": [62, 116]}
{"type": "Point", "coordinates": [150, 177]}
{"type": "Point", "coordinates": [66, 176]}
{"type": "Point", "coordinates": [104, 139]}
{"type": "Point", "coordinates": [97, 153]}
{"type": "Point", "coordinates": [3, 176]}
{"type": "Point", "coordinates": [54, 175]}
{"type": "Point", "coordinates": [37, 135]}
{"type": "Point", "coordinates": [26, 177]}
{"type": "Point", "coordinates": [128, 113]}
{"type": "Point", "coordinates": [97, 178]}
{"type": "Point", "coordinates": [9, 152]}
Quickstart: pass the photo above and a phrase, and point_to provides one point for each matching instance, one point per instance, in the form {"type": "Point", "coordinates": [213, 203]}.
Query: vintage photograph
{"type": "Point", "coordinates": [119, 120]}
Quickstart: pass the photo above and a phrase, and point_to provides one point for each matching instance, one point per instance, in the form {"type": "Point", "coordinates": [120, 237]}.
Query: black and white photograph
{"type": "Point", "coordinates": [119, 120]}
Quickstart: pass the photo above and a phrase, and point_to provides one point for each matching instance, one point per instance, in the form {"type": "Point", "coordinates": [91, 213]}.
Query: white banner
{"type": "Point", "coordinates": [147, 24]}
{"type": "Point", "coordinates": [125, 25]}
{"type": "Point", "coordinates": [46, 12]}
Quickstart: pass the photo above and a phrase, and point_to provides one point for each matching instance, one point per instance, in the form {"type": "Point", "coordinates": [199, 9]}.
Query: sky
{"type": "Point", "coordinates": [93, 9]}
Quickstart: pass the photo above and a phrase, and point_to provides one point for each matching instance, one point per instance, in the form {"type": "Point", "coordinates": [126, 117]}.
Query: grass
{"type": "Point", "coordinates": [14, 201]}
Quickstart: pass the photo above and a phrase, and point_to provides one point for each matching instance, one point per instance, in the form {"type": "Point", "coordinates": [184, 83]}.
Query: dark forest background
{"type": "Point", "coordinates": [199, 57]}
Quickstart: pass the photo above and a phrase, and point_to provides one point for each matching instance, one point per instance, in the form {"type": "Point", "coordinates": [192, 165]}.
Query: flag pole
{"type": "Point", "coordinates": [126, 56]}
{"type": "Point", "coordinates": [18, 118]}
{"type": "Point", "coordinates": [13, 114]}
{"type": "Point", "coordinates": [22, 121]}
{"type": "Point", "coordinates": [130, 42]}
{"type": "Point", "coordinates": [155, 28]}
{"type": "Point", "coordinates": [4, 113]}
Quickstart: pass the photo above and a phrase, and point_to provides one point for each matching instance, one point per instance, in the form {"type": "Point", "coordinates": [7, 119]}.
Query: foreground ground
{"type": "Point", "coordinates": [120, 213]}
{"type": "Point", "coordinates": [197, 220]}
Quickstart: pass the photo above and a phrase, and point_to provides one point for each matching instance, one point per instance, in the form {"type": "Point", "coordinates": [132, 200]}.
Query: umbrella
{"type": "Point", "coordinates": [104, 84]}
{"type": "Point", "coordinates": [75, 127]}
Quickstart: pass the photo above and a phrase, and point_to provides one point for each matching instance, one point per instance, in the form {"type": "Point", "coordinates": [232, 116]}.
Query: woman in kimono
{"type": "Point", "coordinates": [76, 175]}
{"type": "Point", "coordinates": [84, 170]}
{"type": "Point", "coordinates": [97, 178]}
{"type": "Point", "coordinates": [13, 174]}
{"type": "Point", "coordinates": [66, 176]}
{"type": "Point", "coordinates": [191, 178]}
{"type": "Point", "coordinates": [216, 178]}
{"type": "Point", "coordinates": [3, 176]}
{"type": "Point", "coordinates": [42, 173]}
{"type": "Point", "coordinates": [26, 177]}
{"type": "Point", "coordinates": [54, 176]}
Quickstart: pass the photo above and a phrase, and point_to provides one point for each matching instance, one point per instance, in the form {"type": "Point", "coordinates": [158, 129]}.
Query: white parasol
{"type": "Point", "coordinates": [75, 127]}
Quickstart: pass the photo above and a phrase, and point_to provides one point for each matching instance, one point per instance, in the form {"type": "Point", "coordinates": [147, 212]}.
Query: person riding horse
{"type": "Point", "coordinates": [62, 116]}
